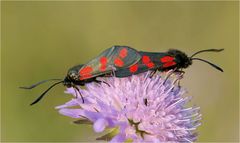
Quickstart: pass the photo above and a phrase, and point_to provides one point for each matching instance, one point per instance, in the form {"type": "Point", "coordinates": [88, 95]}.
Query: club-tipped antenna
{"type": "Point", "coordinates": [208, 50]}
{"type": "Point", "coordinates": [38, 83]}
{"type": "Point", "coordinates": [44, 93]}
{"type": "Point", "coordinates": [215, 66]}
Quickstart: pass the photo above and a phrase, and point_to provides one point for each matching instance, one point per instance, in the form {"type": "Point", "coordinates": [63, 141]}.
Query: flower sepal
{"type": "Point", "coordinates": [110, 135]}
{"type": "Point", "coordinates": [83, 121]}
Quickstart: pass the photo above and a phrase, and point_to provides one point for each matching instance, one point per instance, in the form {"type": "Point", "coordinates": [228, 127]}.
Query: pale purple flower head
{"type": "Point", "coordinates": [141, 108]}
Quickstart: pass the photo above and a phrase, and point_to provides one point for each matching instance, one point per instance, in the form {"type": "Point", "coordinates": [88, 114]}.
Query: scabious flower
{"type": "Point", "coordinates": [139, 108]}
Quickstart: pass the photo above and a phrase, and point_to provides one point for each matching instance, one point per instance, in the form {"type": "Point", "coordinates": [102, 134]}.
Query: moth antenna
{"type": "Point", "coordinates": [44, 93]}
{"type": "Point", "coordinates": [213, 65]}
{"type": "Point", "coordinates": [38, 83]}
{"type": "Point", "coordinates": [208, 50]}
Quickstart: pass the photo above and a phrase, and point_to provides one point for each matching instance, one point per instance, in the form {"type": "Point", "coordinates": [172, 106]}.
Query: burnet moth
{"type": "Point", "coordinates": [110, 60]}
{"type": "Point", "coordinates": [123, 61]}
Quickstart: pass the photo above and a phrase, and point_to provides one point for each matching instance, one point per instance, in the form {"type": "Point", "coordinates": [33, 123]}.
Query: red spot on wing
{"type": "Point", "coordinates": [169, 64]}
{"type": "Point", "coordinates": [85, 76]}
{"type": "Point", "coordinates": [118, 62]}
{"type": "Point", "coordinates": [133, 68]}
{"type": "Point", "coordinates": [166, 59]}
{"type": "Point", "coordinates": [123, 53]}
{"type": "Point", "coordinates": [150, 65]}
{"type": "Point", "coordinates": [146, 59]}
{"type": "Point", "coordinates": [103, 60]}
{"type": "Point", "coordinates": [103, 68]}
{"type": "Point", "coordinates": [85, 72]}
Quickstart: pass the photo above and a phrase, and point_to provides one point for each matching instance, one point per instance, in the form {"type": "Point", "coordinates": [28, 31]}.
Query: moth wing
{"type": "Point", "coordinates": [141, 68]}
{"type": "Point", "coordinates": [123, 56]}
{"type": "Point", "coordinates": [111, 59]}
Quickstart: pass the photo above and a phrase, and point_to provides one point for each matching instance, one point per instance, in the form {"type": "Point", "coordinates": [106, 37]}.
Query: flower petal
{"type": "Point", "coordinates": [74, 113]}
{"type": "Point", "coordinates": [93, 116]}
{"type": "Point", "coordinates": [100, 125]}
{"type": "Point", "coordinates": [142, 109]}
{"type": "Point", "coordinates": [120, 138]}
{"type": "Point", "coordinates": [70, 103]}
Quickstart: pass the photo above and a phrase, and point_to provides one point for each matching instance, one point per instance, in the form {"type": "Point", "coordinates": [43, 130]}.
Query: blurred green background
{"type": "Point", "coordinates": [41, 40]}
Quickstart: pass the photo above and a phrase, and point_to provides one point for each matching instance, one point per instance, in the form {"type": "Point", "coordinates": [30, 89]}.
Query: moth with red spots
{"type": "Point", "coordinates": [123, 61]}
{"type": "Point", "coordinates": [173, 59]}
{"type": "Point", "coordinates": [109, 61]}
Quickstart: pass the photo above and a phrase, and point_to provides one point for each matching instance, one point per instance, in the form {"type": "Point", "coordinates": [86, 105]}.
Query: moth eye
{"type": "Point", "coordinates": [73, 75]}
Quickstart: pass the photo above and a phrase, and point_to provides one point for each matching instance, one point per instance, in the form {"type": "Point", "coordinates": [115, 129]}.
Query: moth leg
{"type": "Point", "coordinates": [152, 73]}
{"type": "Point", "coordinates": [109, 75]}
{"type": "Point", "coordinates": [113, 71]}
{"type": "Point", "coordinates": [181, 73]}
{"type": "Point", "coordinates": [180, 76]}
{"type": "Point", "coordinates": [171, 72]}
{"type": "Point", "coordinates": [177, 80]}
{"type": "Point", "coordinates": [99, 82]}
{"type": "Point", "coordinates": [77, 90]}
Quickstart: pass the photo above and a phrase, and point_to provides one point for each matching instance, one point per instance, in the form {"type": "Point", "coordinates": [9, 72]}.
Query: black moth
{"type": "Point", "coordinates": [123, 61]}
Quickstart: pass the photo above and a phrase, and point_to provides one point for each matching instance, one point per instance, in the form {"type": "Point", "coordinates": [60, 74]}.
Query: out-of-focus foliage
{"type": "Point", "coordinates": [41, 40]}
